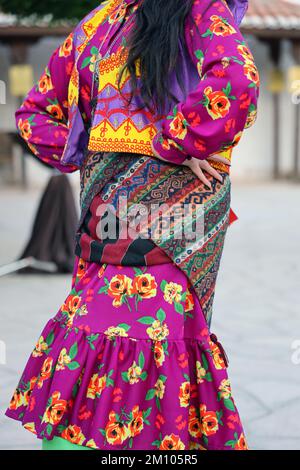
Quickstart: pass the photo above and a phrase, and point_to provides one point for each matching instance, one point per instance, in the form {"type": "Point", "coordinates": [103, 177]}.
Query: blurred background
{"type": "Point", "coordinates": [257, 305]}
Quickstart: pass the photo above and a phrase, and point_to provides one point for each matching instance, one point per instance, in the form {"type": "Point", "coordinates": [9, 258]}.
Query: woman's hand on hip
{"type": "Point", "coordinates": [198, 167]}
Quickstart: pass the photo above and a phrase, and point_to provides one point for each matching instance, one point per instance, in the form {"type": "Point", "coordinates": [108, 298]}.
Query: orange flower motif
{"type": "Point", "coordinates": [251, 118]}
{"type": "Point", "coordinates": [189, 301]}
{"type": "Point", "coordinates": [220, 26]}
{"type": "Point", "coordinates": [17, 400]}
{"type": "Point", "coordinates": [172, 442]}
{"type": "Point", "coordinates": [245, 53]}
{"type": "Point", "coordinates": [184, 394]}
{"type": "Point", "coordinates": [72, 304]}
{"type": "Point", "coordinates": [30, 427]}
{"type": "Point", "coordinates": [27, 394]}
{"type": "Point", "coordinates": [55, 410]}
{"type": "Point", "coordinates": [218, 104]}
{"type": "Point", "coordinates": [194, 423]}
{"type": "Point", "coordinates": [159, 354]}
{"type": "Point", "coordinates": [46, 371]}
{"type": "Point", "coordinates": [66, 48]}
{"type": "Point", "coordinates": [101, 271]}
{"type": "Point", "coordinates": [145, 286]}
{"type": "Point", "coordinates": [40, 348]}
{"type": "Point", "coordinates": [209, 421]}
{"type": "Point", "coordinates": [73, 434]}
{"type": "Point", "coordinates": [241, 443]}
{"type": "Point", "coordinates": [178, 127]}
{"type": "Point", "coordinates": [96, 386]}
{"type": "Point", "coordinates": [63, 360]}
{"type": "Point", "coordinates": [251, 72]}
{"type": "Point", "coordinates": [136, 425]}
{"type": "Point", "coordinates": [116, 432]}
{"type": "Point", "coordinates": [55, 111]}
{"type": "Point", "coordinates": [25, 129]}
{"type": "Point", "coordinates": [119, 286]}
{"type": "Point", "coordinates": [81, 268]}
{"type": "Point", "coordinates": [45, 83]}
{"type": "Point", "coordinates": [217, 356]}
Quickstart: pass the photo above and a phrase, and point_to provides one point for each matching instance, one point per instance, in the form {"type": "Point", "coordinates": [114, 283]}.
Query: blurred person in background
{"type": "Point", "coordinates": [147, 99]}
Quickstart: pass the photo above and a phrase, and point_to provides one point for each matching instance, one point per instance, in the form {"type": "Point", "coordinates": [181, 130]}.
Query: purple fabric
{"type": "Point", "coordinates": [128, 362]}
{"type": "Point", "coordinates": [238, 8]}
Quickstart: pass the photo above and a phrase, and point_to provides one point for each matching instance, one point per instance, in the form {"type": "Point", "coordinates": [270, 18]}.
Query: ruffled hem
{"type": "Point", "coordinates": [107, 392]}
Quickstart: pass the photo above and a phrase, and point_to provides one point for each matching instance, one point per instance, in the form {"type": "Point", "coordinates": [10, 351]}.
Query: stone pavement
{"type": "Point", "coordinates": [257, 314]}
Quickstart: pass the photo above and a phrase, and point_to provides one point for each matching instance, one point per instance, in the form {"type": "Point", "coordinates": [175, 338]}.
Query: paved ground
{"type": "Point", "coordinates": [257, 314]}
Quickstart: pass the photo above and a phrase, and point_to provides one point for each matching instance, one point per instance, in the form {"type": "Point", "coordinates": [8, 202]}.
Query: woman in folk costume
{"type": "Point", "coordinates": [146, 98]}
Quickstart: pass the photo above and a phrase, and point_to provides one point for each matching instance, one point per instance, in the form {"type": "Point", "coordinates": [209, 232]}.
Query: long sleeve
{"type": "Point", "coordinates": [214, 115]}
{"type": "Point", "coordinates": [42, 120]}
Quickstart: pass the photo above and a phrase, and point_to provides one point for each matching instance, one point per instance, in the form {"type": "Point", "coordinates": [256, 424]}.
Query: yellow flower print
{"type": "Point", "coordinates": [201, 372]}
{"type": "Point", "coordinates": [158, 331]}
{"type": "Point", "coordinates": [184, 394]}
{"type": "Point", "coordinates": [17, 400]}
{"type": "Point", "coordinates": [245, 53]}
{"type": "Point", "coordinates": [217, 356]}
{"type": "Point", "coordinates": [55, 111]}
{"type": "Point", "coordinates": [40, 348]}
{"type": "Point", "coordinates": [172, 292]}
{"type": "Point", "coordinates": [159, 354]}
{"type": "Point", "coordinates": [251, 72]}
{"type": "Point", "coordinates": [73, 434]}
{"type": "Point", "coordinates": [66, 48]}
{"type": "Point", "coordinates": [225, 389]}
{"type": "Point", "coordinates": [195, 446]}
{"type": "Point", "coordinates": [63, 360]}
{"type": "Point", "coordinates": [252, 116]}
{"type": "Point", "coordinates": [160, 388]}
{"type": "Point", "coordinates": [92, 444]}
{"type": "Point", "coordinates": [114, 331]}
{"type": "Point", "coordinates": [30, 427]}
{"type": "Point", "coordinates": [134, 373]}
{"type": "Point", "coordinates": [96, 386]}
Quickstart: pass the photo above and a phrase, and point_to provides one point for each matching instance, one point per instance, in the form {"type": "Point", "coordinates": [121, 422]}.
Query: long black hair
{"type": "Point", "coordinates": [159, 26]}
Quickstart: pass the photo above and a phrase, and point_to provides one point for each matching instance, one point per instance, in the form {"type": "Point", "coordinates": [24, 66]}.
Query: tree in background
{"type": "Point", "coordinates": [59, 9]}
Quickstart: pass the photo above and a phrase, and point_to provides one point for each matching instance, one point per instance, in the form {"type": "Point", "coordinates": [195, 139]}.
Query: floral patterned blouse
{"type": "Point", "coordinates": [57, 119]}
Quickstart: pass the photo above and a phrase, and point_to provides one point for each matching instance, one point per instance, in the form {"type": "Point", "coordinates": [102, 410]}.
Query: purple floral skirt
{"type": "Point", "coordinates": [128, 362]}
